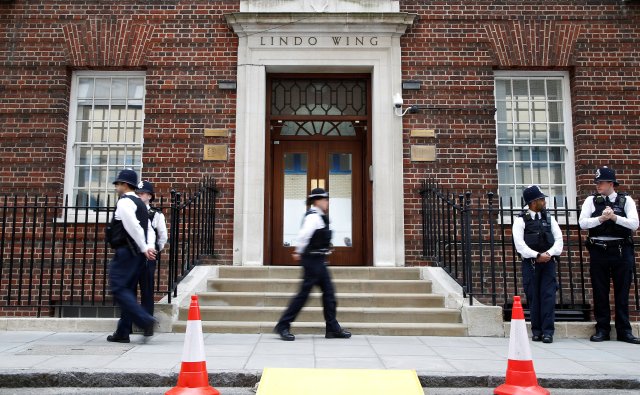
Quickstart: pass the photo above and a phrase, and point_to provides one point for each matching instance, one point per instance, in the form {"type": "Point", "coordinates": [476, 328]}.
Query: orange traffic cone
{"type": "Point", "coordinates": [521, 378]}
{"type": "Point", "coordinates": [193, 378]}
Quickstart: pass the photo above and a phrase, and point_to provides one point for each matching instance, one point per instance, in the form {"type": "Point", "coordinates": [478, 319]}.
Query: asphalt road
{"type": "Point", "coordinates": [249, 391]}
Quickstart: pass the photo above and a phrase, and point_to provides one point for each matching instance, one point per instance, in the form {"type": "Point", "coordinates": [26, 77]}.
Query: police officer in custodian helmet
{"type": "Point", "coordinates": [538, 240]}
{"type": "Point", "coordinates": [611, 218]}
{"type": "Point", "coordinates": [133, 240]}
{"type": "Point", "coordinates": [312, 247]}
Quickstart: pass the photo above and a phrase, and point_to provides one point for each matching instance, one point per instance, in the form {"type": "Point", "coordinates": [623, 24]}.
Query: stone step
{"type": "Point", "coordinates": [318, 328]}
{"type": "Point", "coordinates": [295, 272]}
{"type": "Point", "coordinates": [281, 299]}
{"type": "Point", "coordinates": [341, 285]}
{"type": "Point", "coordinates": [346, 314]}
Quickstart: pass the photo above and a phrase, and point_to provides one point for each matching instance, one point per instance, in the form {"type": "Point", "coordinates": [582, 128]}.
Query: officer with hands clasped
{"type": "Point", "coordinates": [312, 247]}
{"type": "Point", "coordinates": [611, 218]}
{"type": "Point", "coordinates": [146, 193]}
{"type": "Point", "coordinates": [538, 240]}
{"type": "Point", "coordinates": [130, 234]}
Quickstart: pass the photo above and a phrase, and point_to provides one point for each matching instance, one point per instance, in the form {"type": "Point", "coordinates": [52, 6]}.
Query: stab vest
{"type": "Point", "coordinates": [609, 228]}
{"type": "Point", "coordinates": [152, 213]}
{"type": "Point", "coordinates": [320, 241]}
{"type": "Point", "coordinates": [117, 236]}
{"type": "Point", "coordinates": [537, 233]}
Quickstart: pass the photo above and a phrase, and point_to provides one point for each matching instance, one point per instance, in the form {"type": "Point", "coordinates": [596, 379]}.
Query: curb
{"type": "Point", "coordinates": [249, 379]}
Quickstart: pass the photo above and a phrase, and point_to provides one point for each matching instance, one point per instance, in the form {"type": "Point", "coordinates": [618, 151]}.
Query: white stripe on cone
{"type": "Point", "coordinates": [519, 348]}
{"type": "Point", "coordinates": [193, 350]}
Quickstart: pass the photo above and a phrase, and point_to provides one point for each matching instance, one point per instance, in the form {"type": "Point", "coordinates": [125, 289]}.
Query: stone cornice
{"type": "Point", "coordinates": [246, 23]}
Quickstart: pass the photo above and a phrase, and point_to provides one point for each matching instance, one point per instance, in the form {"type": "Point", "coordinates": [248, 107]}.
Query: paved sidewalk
{"type": "Point", "coordinates": [48, 359]}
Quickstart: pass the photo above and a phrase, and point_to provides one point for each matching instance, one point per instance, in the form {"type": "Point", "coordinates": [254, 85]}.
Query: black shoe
{"type": "Point", "coordinates": [600, 337]}
{"type": "Point", "coordinates": [285, 335]}
{"type": "Point", "coordinates": [341, 334]}
{"type": "Point", "coordinates": [117, 339]}
{"type": "Point", "coordinates": [536, 338]}
{"type": "Point", "coordinates": [629, 338]}
{"type": "Point", "coordinates": [148, 332]}
{"type": "Point", "coordinates": [547, 339]}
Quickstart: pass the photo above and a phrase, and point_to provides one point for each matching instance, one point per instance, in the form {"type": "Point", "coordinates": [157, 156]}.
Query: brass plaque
{"type": "Point", "coordinates": [423, 153]}
{"type": "Point", "coordinates": [215, 152]}
{"type": "Point", "coordinates": [423, 133]}
{"type": "Point", "coordinates": [216, 133]}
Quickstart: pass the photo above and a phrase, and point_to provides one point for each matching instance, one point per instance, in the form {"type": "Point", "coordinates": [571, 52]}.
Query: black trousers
{"type": "Point", "coordinates": [124, 272]}
{"type": "Point", "coordinates": [540, 286]}
{"type": "Point", "coordinates": [147, 275]}
{"type": "Point", "coordinates": [607, 265]}
{"type": "Point", "coordinates": [315, 273]}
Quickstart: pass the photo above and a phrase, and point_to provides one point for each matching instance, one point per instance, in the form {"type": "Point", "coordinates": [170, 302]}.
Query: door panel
{"type": "Point", "coordinates": [298, 167]}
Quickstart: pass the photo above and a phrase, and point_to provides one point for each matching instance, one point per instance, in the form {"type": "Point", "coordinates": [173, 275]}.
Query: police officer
{"type": "Point", "coordinates": [313, 244]}
{"type": "Point", "coordinates": [130, 235]}
{"type": "Point", "coordinates": [538, 240]}
{"type": "Point", "coordinates": [159, 226]}
{"type": "Point", "coordinates": [612, 219]}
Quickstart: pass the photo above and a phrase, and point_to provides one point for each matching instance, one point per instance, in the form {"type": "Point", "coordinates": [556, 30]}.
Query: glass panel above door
{"type": "Point", "coordinates": [295, 194]}
{"type": "Point", "coordinates": [318, 97]}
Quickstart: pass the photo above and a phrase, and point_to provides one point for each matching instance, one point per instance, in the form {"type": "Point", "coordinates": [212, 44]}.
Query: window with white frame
{"type": "Point", "coordinates": [105, 133]}
{"type": "Point", "coordinates": [534, 136]}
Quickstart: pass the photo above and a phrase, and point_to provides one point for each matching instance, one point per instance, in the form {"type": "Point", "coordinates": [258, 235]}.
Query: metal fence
{"type": "Point", "coordinates": [470, 237]}
{"type": "Point", "coordinates": [53, 252]}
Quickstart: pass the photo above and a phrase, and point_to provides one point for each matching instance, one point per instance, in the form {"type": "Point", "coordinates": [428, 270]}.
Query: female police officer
{"type": "Point", "coordinates": [313, 245]}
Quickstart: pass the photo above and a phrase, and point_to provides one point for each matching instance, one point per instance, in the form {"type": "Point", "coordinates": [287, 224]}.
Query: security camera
{"type": "Point", "coordinates": [397, 100]}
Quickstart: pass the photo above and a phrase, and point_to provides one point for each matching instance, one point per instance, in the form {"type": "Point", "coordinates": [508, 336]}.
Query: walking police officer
{"type": "Point", "coordinates": [158, 225]}
{"type": "Point", "coordinates": [130, 236]}
{"type": "Point", "coordinates": [538, 240]}
{"type": "Point", "coordinates": [611, 218]}
{"type": "Point", "coordinates": [313, 244]}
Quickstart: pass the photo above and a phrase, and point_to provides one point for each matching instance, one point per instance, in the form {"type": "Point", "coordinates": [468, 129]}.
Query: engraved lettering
{"type": "Point", "coordinates": [373, 41]}
{"type": "Point", "coordinates": [359, 40]}
{"type": "Point", "coordinates": [312, 41]}
{"type": "Point", "coordinates": [297, 40]}
{"type": "Point", "coordinates": [336, 40]}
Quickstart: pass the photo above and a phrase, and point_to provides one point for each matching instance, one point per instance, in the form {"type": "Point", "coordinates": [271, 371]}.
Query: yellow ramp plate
{"type": "Point", "coordinates": [339, 382]}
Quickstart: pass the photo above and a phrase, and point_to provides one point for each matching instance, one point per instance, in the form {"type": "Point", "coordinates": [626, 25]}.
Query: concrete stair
{"type": "Point", "coordinates": [376, 301]}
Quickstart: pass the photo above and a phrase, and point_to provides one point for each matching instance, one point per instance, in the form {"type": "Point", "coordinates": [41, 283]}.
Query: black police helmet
{"type": "Point", "coordinates": [128, 176]}
{"type": "Point", "coordinates": [317, 193]}
{"type": "Point", "coordinates": [532, 193]}
{"type": "Point", "coordinates": [606, 174]}
{"type": "Point", "coordinates": [146, 186]}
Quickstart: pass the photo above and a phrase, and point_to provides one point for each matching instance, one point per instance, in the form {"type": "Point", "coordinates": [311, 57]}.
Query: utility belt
{"type": "Point", "coordinates": [607, 244]}
{"type": "Point", "coordinates": [318, 252]}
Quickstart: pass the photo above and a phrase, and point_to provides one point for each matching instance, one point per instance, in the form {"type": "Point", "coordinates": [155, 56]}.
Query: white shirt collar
{"type": "Point", "coordinates": [317, 209]}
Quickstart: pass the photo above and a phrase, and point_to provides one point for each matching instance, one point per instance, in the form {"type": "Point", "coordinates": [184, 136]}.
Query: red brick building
{"type": "Point", "coordinates": [274, 97]}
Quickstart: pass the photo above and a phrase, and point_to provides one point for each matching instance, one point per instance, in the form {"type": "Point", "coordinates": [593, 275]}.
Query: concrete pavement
{"type": "Point", "coordinates": [64, 359]}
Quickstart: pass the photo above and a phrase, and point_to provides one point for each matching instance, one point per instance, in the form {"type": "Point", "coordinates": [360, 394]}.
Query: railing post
{"type": "Point", "coordinates": [467, 248]}
{"type": "Point", "coordinates": [492, 247]}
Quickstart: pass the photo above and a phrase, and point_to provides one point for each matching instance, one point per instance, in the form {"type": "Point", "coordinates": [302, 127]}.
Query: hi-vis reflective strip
{"type": "Point", "coordinates": [193, 350]}
{"type": "Point", "coordinates": [519, 348]}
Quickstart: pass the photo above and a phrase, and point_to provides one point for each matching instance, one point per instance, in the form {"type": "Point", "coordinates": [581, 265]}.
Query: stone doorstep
{"type": "Point", "coordinates": [294, 272]}
{"type": "Point", "coordinates": [576, 330]}
{"type": "Point", "coordinates": [291, 285]}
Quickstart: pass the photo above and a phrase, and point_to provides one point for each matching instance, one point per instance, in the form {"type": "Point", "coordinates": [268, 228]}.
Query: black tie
{"type": "Point", "coordinates": [537, 216]}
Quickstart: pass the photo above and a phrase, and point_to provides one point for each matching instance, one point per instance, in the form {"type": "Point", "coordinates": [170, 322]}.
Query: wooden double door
{"type": "Point", "coordinates": [337, 166]}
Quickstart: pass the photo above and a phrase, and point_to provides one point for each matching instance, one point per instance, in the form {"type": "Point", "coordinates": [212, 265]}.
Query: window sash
{"type": "Point", "coordinates": [533, 136]}
{"type": "Point", "coordinates": [105, 134]}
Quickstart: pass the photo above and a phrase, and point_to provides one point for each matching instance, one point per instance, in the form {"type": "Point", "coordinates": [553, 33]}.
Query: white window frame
{"type": "Point", "coordinates": [569, 172]}
{"type": "Point", "coordinates": [69, 175]}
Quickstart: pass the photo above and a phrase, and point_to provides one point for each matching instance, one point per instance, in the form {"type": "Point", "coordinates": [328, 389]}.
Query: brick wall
{"type": "Point", "coordinates": [455, 46]}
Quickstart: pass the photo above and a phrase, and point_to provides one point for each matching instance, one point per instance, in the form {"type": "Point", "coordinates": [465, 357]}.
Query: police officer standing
{"type": "Point", "coordinates": [538, 240]}
{"type": "Point", "coordinates": [611, 218]}
{"type": "Point", "coordinates": [130, 236]}
{"type": "Point", "coordinates": [313, 244]}
{"type": "Point", "coordinates": [159, 226]}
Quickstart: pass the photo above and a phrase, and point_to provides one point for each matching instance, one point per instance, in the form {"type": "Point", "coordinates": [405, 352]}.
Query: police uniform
{"type": "Point", "coordinates": [610, 246]}
{"type": "Point", "coordinates": [313, 245]}
{"type": "Point", "coordinates": [534, 234]}
{"type": "Point", "coordinates": [130, 235]}
{"type": "Point", "coordinates": [159, 227]}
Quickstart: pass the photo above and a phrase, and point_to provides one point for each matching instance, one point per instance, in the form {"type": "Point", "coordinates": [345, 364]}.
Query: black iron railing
{"type": "Point", "coordinates": [53, 252]}
{"type": "Point", "coordinates": [470, 237]}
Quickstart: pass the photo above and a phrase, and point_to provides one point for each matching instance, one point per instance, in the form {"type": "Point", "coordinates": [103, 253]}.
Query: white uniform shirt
{"type": "Point", "coordinates": [160, 225]}
{"type": "Point", "coordinates": [126, 212]}
{"type": "Point", "coordinates": [523, 248]}
{"type": "Point", "coordinates": [588, 207]}
{"type": "Point", "coordinates": [312, 222]}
